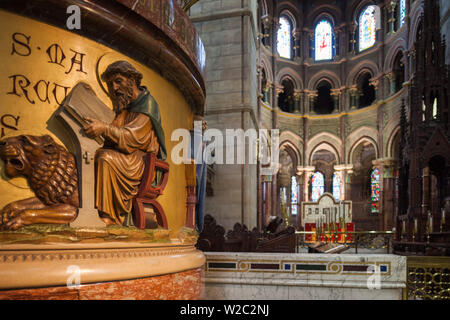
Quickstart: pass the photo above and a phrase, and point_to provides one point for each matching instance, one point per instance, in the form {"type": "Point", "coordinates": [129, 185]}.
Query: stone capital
{"type": "Point", "coordinates": [335, 92]}
{"type": "Point", "coordinates": [268, 86]}
{"type": "Point", "coordinates": [389, 75]}
{"type": "Point", "coordinates": [278, 89]}
{"type": "Point", "coordinates": [353, 90]}
{"type": "Point", "coordinates": [297, 94]}
{"type": "Point", "coordinates": [305, 170]}
{"type": "Point", "coordinates": [374, 82]}
{"type": "Point", "coordinates": [266, 21]}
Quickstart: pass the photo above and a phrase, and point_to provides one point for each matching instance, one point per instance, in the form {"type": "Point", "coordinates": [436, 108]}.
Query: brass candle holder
{"type": "Point", "coordinates": [429, 226]}
{"type": "Point", "coordinates": [403, 232]}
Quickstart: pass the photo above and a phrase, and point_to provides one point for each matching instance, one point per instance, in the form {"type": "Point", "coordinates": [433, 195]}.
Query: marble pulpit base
{"type": "Point", "coordinates": [101, 272]}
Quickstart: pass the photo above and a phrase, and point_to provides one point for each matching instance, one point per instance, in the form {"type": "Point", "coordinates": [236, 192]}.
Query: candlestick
{"type": "Point", "coordinates": [403, 228]}
{"type": "Point", "coordinates": [431, 221]}
{"type": "Point", "coordinates": [442, 219]}
{"type": "Point", "coordinates": [415, 229]}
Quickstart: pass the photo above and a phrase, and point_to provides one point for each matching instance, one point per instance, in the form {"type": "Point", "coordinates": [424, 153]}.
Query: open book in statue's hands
{"type": "Point", "coordinates": [82, 103]}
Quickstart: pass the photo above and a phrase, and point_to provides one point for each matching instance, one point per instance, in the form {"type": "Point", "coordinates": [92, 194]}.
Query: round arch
{"type": "Point", "coordinates": [360, 141]}
{"type": "Point", "coordinates": [323, 138]}
{"type": "Point", "coordinates": [334, 12]}
{"type": "Point", "coordinates": [390, 145]}
{"type": "Point", "coordinates": [292, 75]}
{"type": "Point", "coordinates": [327, 147]}
{"type": "Point", "coordinates": [415, 14]}
{"type": "Point", "coordinates": [368, 133]}
{"type": "Point", "coordinates": [288, 137]}
{"type": "Point", "coordinates": [324, 75]}
{"type": "Point", "coordinates": [398, 46]}
{"type": "Point", "coordinates": [360, 68]}
{"type": "Point", "coordinates": [265, 64]}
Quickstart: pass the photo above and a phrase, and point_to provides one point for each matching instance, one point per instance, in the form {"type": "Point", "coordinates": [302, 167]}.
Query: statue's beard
{"type": "Point", "coordinates": [121, 100]}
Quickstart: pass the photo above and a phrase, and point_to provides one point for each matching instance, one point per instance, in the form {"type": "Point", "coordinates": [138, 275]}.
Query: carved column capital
{"type": "Point", "coordinates": [391, 6]}
{"type": "Point", "coordinates": [268, 86]}
{"type": "Point", "coordinates": [353, 90]}
{"type": "Point", "coordinates": [278, 89]}
{"type": "Point", "coordinates": [374, 82]}
{"type": "Point", "coordinates": [266, 21]}
{"type": "Point", "coordinates": [297, 94]}
{"type": "Point", "coordinates": [335, 92]}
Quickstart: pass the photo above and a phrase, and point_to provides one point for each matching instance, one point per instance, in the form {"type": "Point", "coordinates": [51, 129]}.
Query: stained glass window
{"type": "Point", "coordinates": [375, 189]}
{"type": "Point", "coordinates": [367, 28]}
{"type": "Point", "coordinates": [318, 186]}
{"type": "Point", "coordinates": [324, 41]}
{"type": "Point", "coordinates": [336, 187]}
{"type": "Point", "coordinates": [284, 38]}
{"type": "Point", "coordinates": [402, 11]}
{"type": "Point", "coordinates": [435, 108]}
{"type": "Point", "coordinates": [294, 196]}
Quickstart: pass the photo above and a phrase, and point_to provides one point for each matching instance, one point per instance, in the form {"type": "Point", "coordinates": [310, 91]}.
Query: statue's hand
{"type": "Point", "coordinates": [95, 128]}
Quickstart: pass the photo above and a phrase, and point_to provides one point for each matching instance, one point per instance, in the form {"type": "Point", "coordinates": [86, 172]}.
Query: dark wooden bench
{"type": "Point", "coordinates": [148, 193]}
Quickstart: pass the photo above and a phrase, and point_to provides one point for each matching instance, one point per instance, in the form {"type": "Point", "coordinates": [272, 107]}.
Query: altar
{"type": "Point", "coordinates": [331, 220]}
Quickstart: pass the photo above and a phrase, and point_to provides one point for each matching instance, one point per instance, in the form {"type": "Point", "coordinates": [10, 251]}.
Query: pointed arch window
{"type": "Point", "coordinates": [284, 38]}
{"type": "Point", "coordinates": [294, 196]}
{"type": "Point", "coordinates": [375, 190]}
{"type": "Point", "coordinates": [367, 28]}
{"type": "Point", "coordinates": [323, 36]}
{"type": "Point", "coordinates": [336, 187]}
{"type": "Point", "coordinates": [402, 11]}
{"type": "Point", "coordinates": [318, 186]}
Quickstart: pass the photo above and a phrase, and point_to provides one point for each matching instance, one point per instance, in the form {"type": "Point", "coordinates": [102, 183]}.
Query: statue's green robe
{"type": "Point", "coordinates": [120, 163]}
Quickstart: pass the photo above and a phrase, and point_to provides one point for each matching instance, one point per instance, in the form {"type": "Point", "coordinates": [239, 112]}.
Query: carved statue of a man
{"type": "Point", "coordinates": [135, 131]}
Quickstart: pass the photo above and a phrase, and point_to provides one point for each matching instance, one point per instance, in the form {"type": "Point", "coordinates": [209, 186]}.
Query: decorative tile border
{"type": "Point", "coordinates": [298, 267]}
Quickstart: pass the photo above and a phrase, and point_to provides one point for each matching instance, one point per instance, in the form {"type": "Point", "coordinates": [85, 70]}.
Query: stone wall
{"type": "Point", "coordinates": [228, 31]}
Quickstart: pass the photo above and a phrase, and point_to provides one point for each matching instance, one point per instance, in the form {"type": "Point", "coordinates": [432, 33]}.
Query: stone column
{"type": "Point", "coordinates": [353, 27]}
{"type": "Point", "coordinates": [284, 182]}
{"type": "Point", "coordinates": [306, 173]}
{"type": "Point", "coordinates": [335, 93]}
{"type": "Point", "coordinates": [267, 200]}
{"type": "Point", "coordinates": [354, 94]}
{"type": "Point", "coordinates": [343, 170]}
{"type": "Point", "coordinates": [297, 99]}
{"type": "Point", "coordinates": [348, 182]}
{"type": "Point", "coordinates": [311, 44]}
{"type": "Point", "coordinates": [266, 40]}
{"type": "Point", "coordinates": [312, 95]}
{"type": "Point", "coordinates": [336, 42]}
{"type": "Point", "coordinates": [391, 82]}
{"type": "Point", "coordinates": [391, 14]}
{"type": "Point", "coordinates": [388, 192]}
{"type": "Point", "coordinates": [266, 92]}
{"type": "Point", "coordinates": [375, 83]}
{"type": "Point", "coordinates": [301, 195]}
{"type": "Point", "coordinates": [277, 89]}
{"type": "Point", "coordinates": [296, 48]}
{"type": "Point", "coordinates": [273, 42]}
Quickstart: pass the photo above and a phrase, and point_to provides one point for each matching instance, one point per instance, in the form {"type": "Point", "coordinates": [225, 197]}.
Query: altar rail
{"type": "Point", "coordinates": [355, 239]}
{"type": "Point", "coordinates": [428, 278]}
